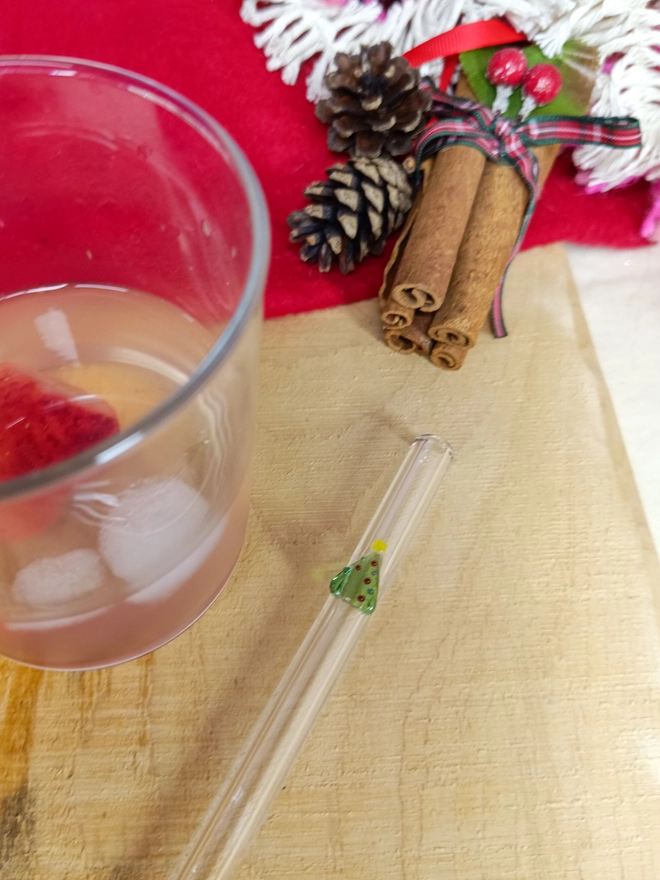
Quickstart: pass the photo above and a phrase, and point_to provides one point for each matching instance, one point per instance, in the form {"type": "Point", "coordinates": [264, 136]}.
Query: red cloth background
{"type": "Point", "coordinates": [204, 50]}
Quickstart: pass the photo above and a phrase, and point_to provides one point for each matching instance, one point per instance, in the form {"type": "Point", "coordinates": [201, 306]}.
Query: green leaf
{"type": "Point", "coordinates": [474, 65]}
{"type": "Point", "coordinates": [577, 63]}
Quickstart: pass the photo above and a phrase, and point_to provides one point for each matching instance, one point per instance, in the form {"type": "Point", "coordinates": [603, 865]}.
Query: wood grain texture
{"type": "Point", "coordinates": [501, 721]}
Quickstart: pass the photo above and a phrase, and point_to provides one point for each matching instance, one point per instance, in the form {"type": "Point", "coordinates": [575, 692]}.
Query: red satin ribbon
{"type": "Point", "coordinates": [464, 38]}
{"type": "Point", "coordinates": [450, 65]}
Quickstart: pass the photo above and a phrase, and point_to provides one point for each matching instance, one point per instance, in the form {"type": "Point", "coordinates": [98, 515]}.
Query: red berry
{"type": "Point", "coordinates": [542, 83]}
{"type": "Point", "coordinates": [506, 67]}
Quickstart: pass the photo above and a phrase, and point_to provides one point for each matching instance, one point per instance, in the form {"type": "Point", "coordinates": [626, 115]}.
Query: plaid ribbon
{"type": "Point", "coordinates": [508, 142]}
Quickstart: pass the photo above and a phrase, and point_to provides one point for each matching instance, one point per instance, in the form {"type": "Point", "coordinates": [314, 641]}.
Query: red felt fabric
{"type": "Point", "coordinates": [203, 49]}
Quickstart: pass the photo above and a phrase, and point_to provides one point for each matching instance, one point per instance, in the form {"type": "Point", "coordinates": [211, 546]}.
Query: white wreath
{"type": "Point", "coordinates": [294, 31]}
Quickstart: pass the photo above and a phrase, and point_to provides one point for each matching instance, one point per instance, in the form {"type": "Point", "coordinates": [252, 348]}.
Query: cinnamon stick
{"type": "Point", "coordinates": [393, 314]}
{"type": "Point", "coordinates": [489, 238]}
{"type": "Point", "coordinates": [423, 275]}
{"type": "Point", "coordinates": [413, 339]}
{"type": "Point", "coordinates": [448, 357]}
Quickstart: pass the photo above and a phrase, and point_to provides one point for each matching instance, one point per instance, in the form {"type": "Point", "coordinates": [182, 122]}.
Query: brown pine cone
{"type": "Point", "coordinates": [376, 104]}
{"type": "Point", "coordinates": [352, 212]}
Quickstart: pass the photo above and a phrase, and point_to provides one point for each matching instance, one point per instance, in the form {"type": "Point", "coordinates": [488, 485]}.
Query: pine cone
{"type": "Point", "coordinates": [352, 212]}
{"type": "Point", "coordinates": [375, 105]}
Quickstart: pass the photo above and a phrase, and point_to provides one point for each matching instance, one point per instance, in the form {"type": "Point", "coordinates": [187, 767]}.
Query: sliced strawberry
{"type": "Point", "coordinates": [40, 424]}
{"type": "Point", "coordinates": [43, 423]}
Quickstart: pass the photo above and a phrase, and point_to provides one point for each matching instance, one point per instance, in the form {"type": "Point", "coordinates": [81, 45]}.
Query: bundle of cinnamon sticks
{"type": "Point", "coordinates": [446, 267]}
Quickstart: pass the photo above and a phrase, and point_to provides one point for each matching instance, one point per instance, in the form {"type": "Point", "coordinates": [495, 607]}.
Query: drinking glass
{"type": "Point", "coordinates": [134, 245]}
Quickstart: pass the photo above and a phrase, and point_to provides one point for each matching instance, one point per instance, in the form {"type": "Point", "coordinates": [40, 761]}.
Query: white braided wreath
{"type": "Point", "coordinates": [292, 31]}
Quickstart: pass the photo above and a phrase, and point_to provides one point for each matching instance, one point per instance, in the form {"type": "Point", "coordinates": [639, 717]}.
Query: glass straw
{"type": "Point", "coordinates": [258, 774]}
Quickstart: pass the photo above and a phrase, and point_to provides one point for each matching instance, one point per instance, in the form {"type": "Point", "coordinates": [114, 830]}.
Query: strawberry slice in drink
{"type": "Point", "coordinates": [42, 423]}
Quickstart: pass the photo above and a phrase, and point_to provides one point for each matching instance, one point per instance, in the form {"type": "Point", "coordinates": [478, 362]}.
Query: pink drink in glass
{"type": "Point", "coordinates": [131, 269]}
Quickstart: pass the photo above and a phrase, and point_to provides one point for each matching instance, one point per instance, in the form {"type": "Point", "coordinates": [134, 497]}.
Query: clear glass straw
{"type": "Point", "coordinates": [258, 774]}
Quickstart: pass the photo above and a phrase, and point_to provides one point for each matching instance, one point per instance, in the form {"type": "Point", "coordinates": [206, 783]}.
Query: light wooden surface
{"type": "Point", "coordinates": [620, 295]}
{"type": "Point", "coordinates": [501, 721]}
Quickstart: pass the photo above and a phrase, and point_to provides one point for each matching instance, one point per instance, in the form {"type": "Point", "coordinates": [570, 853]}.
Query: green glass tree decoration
{"type": "Point", "coordinates": [357, 584]}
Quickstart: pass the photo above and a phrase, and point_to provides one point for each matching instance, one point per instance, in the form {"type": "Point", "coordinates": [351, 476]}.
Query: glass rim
{"type": "Point", "coordinates": [207, 127]}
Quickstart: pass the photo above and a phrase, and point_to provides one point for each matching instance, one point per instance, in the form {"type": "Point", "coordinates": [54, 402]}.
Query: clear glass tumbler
{"type": "Point", "coordinates": [134, 245]}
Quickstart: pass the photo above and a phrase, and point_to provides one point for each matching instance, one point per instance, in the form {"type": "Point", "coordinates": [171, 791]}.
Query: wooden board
{"type": "Point", "coordinates": [502, 718]}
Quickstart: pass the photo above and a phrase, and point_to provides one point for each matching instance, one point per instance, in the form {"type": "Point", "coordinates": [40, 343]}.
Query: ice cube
{"type": "Point", "coordinates": [55, 580]}
{"type": "Point", "coordinates": [154, 527]}
{"type": "Point", "coordinates": [55, 331]}
{"type": "Point", "coordinates": [163, 586]}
